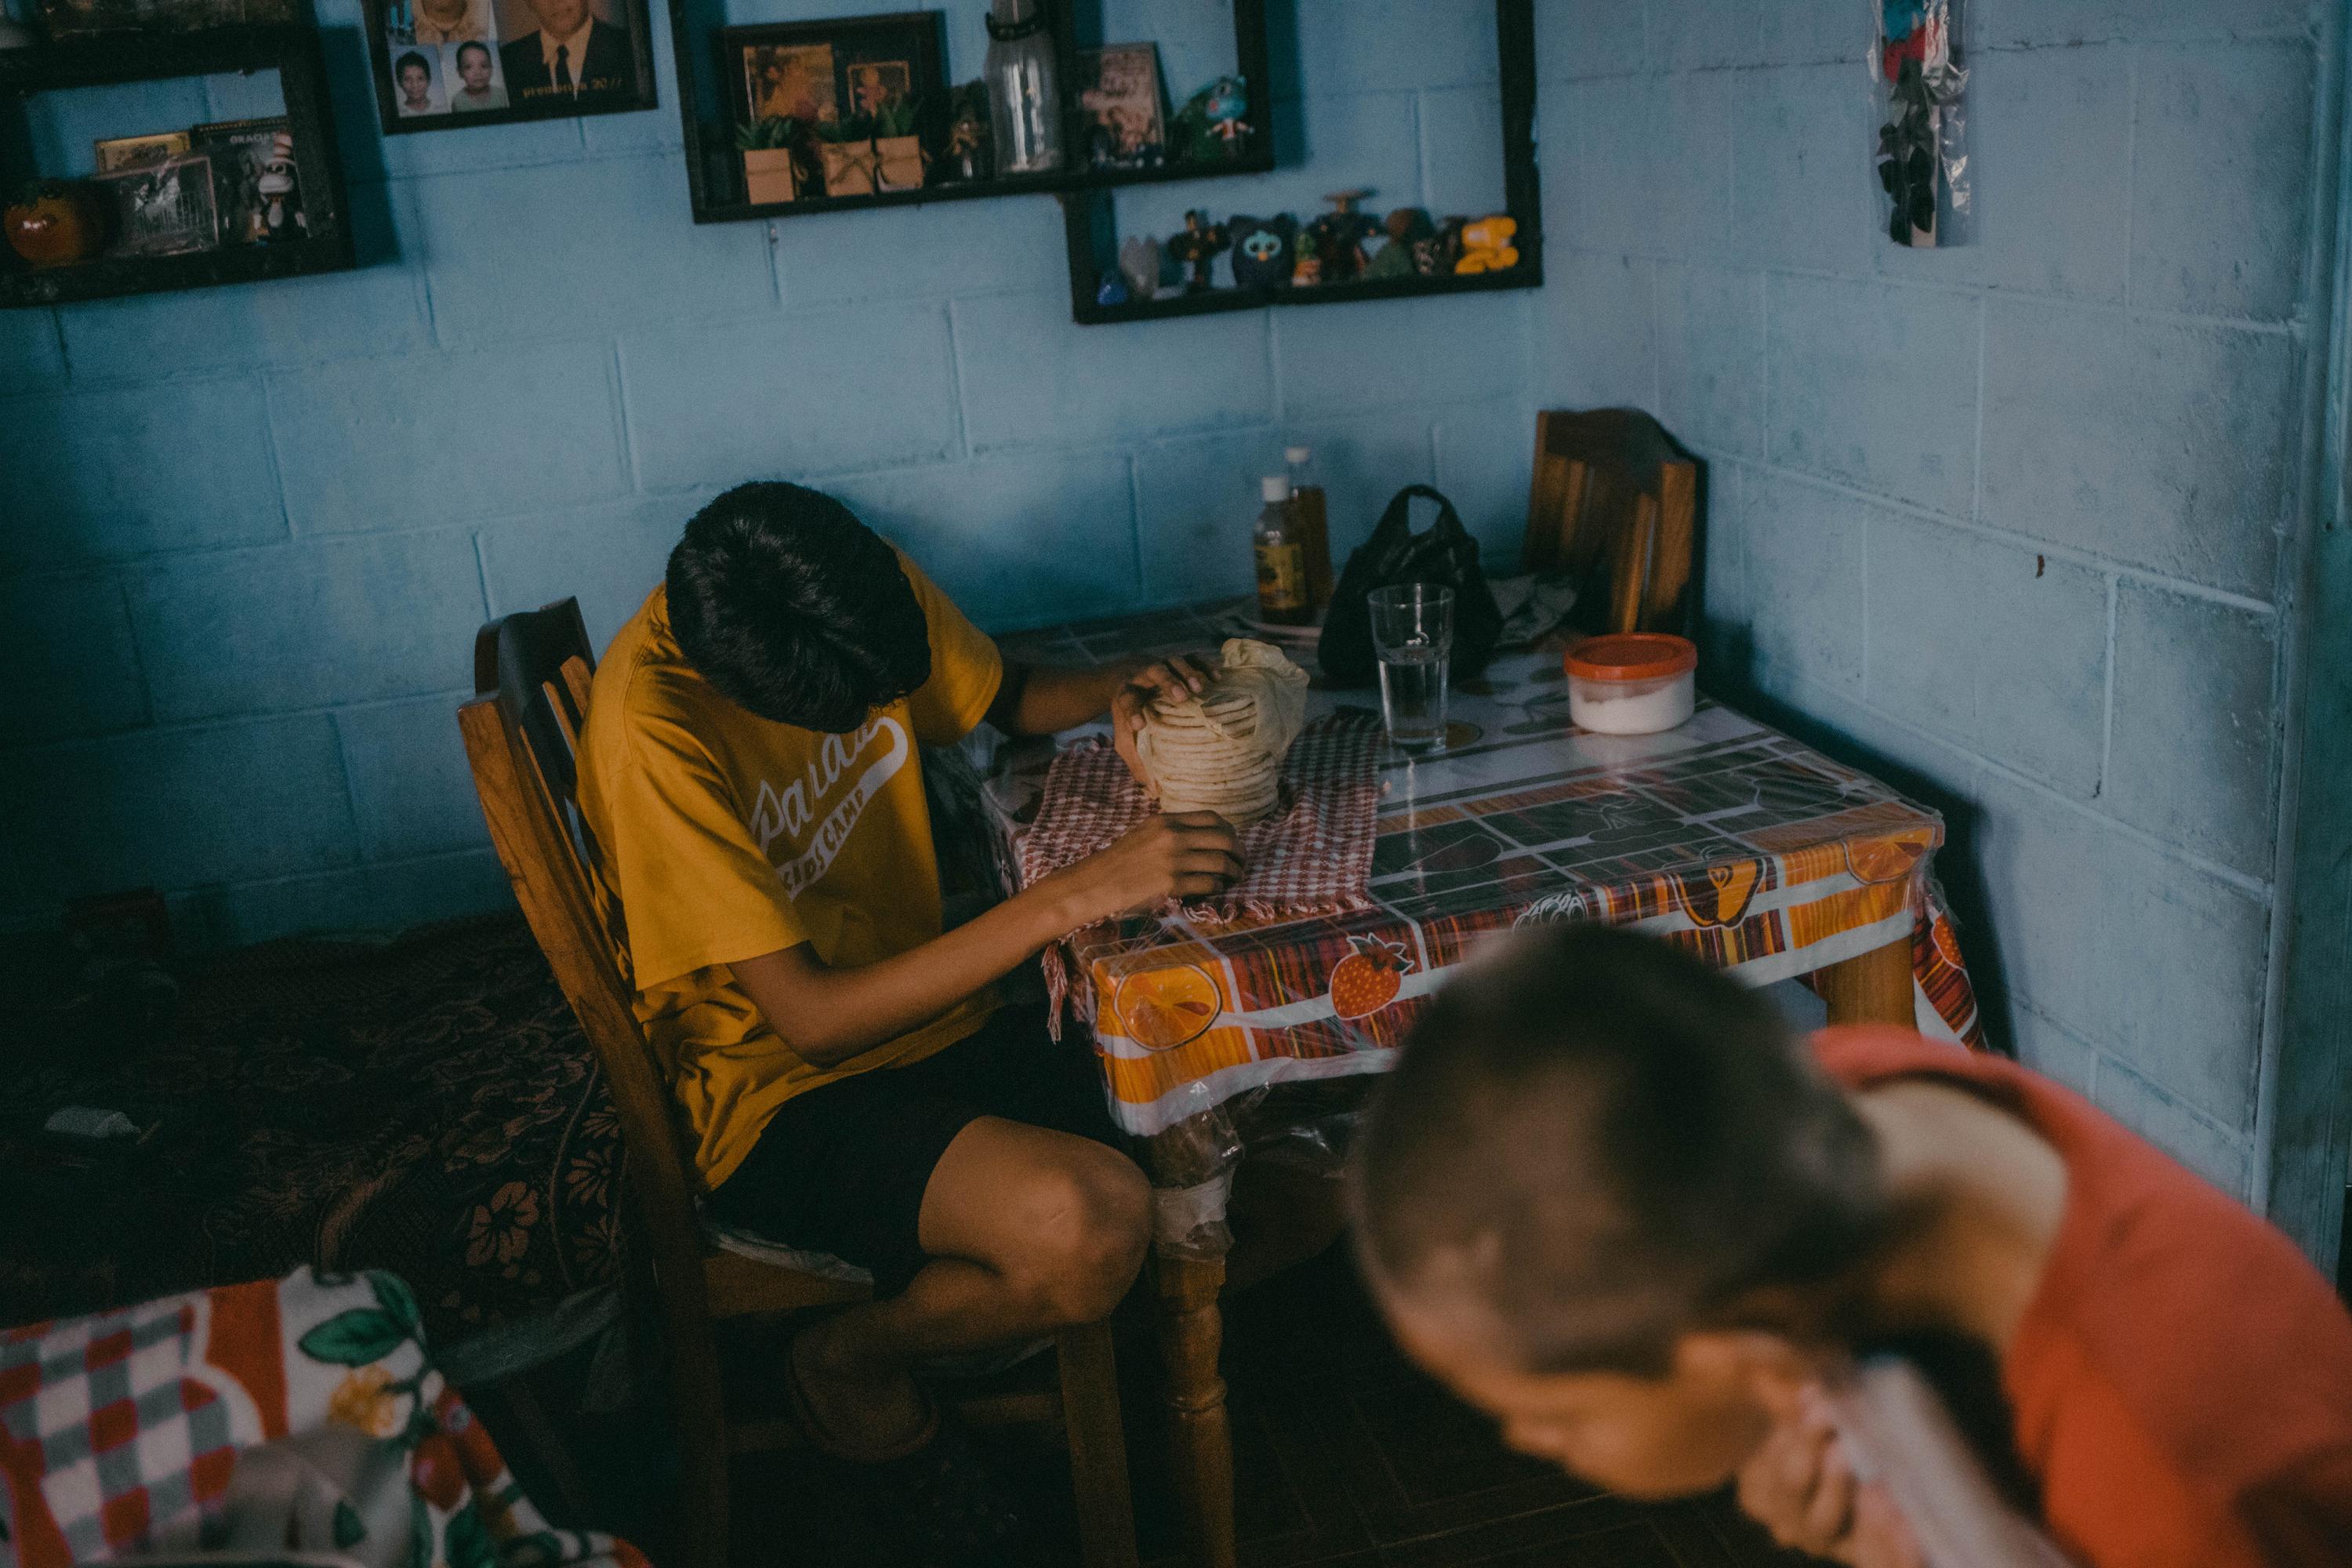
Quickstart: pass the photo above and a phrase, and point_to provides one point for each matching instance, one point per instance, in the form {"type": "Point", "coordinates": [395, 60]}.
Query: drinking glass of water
{"type": "Point", "coordinates": [1412, 628]}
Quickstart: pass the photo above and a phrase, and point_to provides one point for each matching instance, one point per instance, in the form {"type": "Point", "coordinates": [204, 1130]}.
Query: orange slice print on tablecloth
{"type": "Point", "coordinates": [1947, 941]}
{"type": "Point", "coordinates": [1887, 860]}
{"type": "Point", "coordinates": [1720, 895]}
{"type": "Point", "coordinates": [1164, 1008]}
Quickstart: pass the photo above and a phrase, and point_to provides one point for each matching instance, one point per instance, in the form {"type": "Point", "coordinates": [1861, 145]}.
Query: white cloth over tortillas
{"type": "Point", "coordinates": [1223, 751]}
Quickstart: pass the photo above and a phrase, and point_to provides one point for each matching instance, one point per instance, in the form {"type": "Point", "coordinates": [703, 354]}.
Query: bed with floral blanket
{"type": "Point", "coordinates": [424, 1105]}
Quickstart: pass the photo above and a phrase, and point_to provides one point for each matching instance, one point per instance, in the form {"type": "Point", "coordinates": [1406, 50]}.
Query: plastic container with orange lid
{"type": "Point", "coordinates": [1630, 683]}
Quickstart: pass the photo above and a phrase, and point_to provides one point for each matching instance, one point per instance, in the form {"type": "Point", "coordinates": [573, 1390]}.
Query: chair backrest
{"type": "Point", "coordinates": [1615, 504]}
{"type": "Point", "coordinates": [522, 736]}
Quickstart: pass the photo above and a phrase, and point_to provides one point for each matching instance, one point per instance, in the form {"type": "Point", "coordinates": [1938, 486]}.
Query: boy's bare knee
{"type": "Point", "coordinates": [1085, 1223]}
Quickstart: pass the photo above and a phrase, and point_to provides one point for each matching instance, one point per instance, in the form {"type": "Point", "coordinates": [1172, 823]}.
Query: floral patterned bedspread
{"type": "Point", "coordinates": [258, 1421]}
{"type": "Point", "coordinates": [425, 1106]}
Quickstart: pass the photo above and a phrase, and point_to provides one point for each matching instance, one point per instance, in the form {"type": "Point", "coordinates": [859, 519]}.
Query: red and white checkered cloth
{"type": "Point", "coordinates": [1313, 858]}
{"type": "Point", "coordinates": [275, 1418]}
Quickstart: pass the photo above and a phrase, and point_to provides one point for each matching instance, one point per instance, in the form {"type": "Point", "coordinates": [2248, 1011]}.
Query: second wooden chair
{"type": "Point", "coordinates": [1615, 504]}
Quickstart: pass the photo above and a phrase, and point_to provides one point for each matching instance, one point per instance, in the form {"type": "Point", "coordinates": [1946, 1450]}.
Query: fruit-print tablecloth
{"type": "Point", "coordinates": [1757, 853]}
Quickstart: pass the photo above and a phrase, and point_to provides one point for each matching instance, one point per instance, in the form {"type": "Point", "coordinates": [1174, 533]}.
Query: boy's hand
{"type": "Point", "coordinates": [1801, 1485]}
{"type": "Point", "coordinates": [1187, 857]}
{"type": "Point", "coordinates": [1179, 671]}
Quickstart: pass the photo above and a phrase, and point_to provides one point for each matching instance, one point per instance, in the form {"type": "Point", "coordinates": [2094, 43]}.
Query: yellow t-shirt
{"type": "Point", "coordinates": [725, 837]}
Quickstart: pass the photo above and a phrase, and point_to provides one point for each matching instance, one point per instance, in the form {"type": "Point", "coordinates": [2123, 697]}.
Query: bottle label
{"type": "Point", "coordinates": [1281, 578]}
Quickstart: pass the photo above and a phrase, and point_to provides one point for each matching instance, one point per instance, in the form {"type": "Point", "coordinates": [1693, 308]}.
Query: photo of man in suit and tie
{"type": "Point", "coordinates": [572, 52]}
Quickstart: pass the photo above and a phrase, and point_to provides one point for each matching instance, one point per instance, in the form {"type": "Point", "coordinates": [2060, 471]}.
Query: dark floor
{"type": "Point", "coordinates": [1344, 1456]}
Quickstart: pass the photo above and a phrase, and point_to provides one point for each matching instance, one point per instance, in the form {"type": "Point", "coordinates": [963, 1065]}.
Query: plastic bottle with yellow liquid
{"type": "Point", "coordinates": [1282, 590]}
{"type": "Point", "coordinates": [1314, 533]}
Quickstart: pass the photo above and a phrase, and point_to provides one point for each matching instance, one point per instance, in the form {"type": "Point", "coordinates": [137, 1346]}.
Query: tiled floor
{"type": "Point", "coordinates": [1346, 1458]}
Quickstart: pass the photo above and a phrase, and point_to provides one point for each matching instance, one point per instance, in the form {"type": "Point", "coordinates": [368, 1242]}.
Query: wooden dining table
{"type": "Point", "coordinates": [1754, 852]}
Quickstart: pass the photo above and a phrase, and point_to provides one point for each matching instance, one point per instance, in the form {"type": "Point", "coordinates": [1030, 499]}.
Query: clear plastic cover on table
{"type": "Point", "coordinates": [1758, 853]}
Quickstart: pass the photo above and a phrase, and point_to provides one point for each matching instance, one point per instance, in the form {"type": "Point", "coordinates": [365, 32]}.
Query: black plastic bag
{"type": "Point", "coordinates": [1446, 555]}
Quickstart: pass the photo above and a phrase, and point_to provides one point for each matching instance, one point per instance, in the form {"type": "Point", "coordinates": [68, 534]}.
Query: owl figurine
{"type": "Point", "coordinates": [1263, 250]}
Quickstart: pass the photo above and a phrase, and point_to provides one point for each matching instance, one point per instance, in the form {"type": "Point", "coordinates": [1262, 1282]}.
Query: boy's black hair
{"type": "Point", "coordinates": [1594, 1143]}
{"type": "Point", "coordinates": [473, 44]}
{"type": "Point", "coordinates": [795, 610]}
{"type": "Point", "coordinates": [412, 58]}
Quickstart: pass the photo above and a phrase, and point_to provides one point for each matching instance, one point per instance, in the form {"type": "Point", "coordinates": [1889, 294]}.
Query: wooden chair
{"type": "Point", "coordinates": [521, 737]}
{"type": "Point", "coordinates": [1615, 504]}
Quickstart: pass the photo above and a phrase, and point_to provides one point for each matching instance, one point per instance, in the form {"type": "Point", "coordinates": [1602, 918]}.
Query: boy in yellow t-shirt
{"type": "Point", "coordinates": [750, 773]}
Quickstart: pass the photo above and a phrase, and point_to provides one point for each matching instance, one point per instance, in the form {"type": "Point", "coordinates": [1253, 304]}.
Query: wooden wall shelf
{"type": "Point", "coordinates": [1208, 301]}
{"type": "Point", "coordinates": [714, 171]}
{"type": "Point", "coordinates": [1084, 221]}
{"type": "Point", "coordinates": [292, 51]}
{"type": "Point", "coordinates": [1055, 184]}
{"type": "Point", "coordinates": [714, 178]}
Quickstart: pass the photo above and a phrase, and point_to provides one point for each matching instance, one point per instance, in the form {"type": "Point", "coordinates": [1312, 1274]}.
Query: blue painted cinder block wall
{"type": "Point", "coordinates": [246, 535]}
{"type": "Point", "coordinates": [2006, 521]}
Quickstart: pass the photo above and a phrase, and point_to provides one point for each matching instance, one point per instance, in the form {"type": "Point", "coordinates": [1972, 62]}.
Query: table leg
{"type": "Point", "coordinates": [1192, 1331]}
{"type": "Point", "coordinates": [1872, 988]}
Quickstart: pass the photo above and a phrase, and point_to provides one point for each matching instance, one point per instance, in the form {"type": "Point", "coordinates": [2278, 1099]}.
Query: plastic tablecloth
{"type": "Point", "coordinates": [1747, 848]}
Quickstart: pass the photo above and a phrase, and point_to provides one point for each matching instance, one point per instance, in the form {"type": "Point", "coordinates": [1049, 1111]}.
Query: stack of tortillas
{"type": "Point", "coordinates": [1223, 751]}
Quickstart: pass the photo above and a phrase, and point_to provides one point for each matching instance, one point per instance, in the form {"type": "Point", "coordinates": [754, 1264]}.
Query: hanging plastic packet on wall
{"type": "Point", "coordinates": [1919, 85]}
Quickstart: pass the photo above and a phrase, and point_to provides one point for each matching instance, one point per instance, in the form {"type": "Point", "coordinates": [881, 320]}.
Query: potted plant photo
{"type": "Point", "coordinates": [847, 152]}
{"type": "Point", "coordinates": [897, 147]}
{"type": "Point", "coordinates": [770, 149]}
{"type": "Point", "coordinates": [869, 154]}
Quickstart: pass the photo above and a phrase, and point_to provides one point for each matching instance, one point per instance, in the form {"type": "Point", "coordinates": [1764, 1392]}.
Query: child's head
{"type": "Point", "coordinates": [474, 64]}
{"type": "Point", "coordinates": [795, 610]}
{"type": "Point", "coordinates": [415, 76]}
{"type": "Point", "coordinates": [1606, 1196]}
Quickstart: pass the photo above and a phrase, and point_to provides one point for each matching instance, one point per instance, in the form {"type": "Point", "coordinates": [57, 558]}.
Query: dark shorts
{"type": "Point", "coordinates": [842, 1169]}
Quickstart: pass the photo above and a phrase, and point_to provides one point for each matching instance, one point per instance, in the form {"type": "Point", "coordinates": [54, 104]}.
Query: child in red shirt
{"type": "Point", "coordinates": [1608, 1197]}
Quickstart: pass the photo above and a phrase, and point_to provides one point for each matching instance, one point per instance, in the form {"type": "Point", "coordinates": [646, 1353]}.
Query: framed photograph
{"type": "Point", "coordinates": [1118, 88]}
{"type": "Point", "coordinates": [821, 74]}
{"type": "Point", "coordinates": [116, 154]}
{"type": "Point", "coordinates": [788, 82]}
{"type": "Point", "coordinates": [163, 209]}
{"type": "Point", "coordinates": [441, 64]}
{"type": "Point", "coordinates": [257, 180]}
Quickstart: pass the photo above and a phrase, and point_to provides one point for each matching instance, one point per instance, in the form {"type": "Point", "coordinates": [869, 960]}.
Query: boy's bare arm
{"type": "Point", "coordinates": [828, 1015]}
{"type": "Point", "coordinates": [1044, 700]}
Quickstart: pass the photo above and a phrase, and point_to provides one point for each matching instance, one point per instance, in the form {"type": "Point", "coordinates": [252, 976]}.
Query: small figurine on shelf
{"type": "Point", "coordinates": [1210, 127]}
{"type": "Point", "coordinates": [1139, 264]}
{"type": "Point", "coordinates": [969, 155]}
{"type": "Point", "coordinates": [55, 223]}
{"type": "Point", "coordinates": [281, 199]}
{"type": "Point", "coordinates": [1262, 248]}
{"type": "Point", "coordinates": [1308, 271]}
{"type": "Point", "coordinates": [1435, 256]}
{"type": "Point", "coordinates": [1486, 247]}
{"type": "Point", "coordinates": [1110, 290]}
{"type": "Point", "coordinates": [1198, 247]}
{"type": "Point", "coordinates": [1338, 236]}
{"type": "Point", "coordinates": [1406, 227]}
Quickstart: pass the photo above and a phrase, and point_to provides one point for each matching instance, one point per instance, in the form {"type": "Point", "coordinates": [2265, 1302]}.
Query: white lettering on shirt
{"type": "Point", "coordinates": [787, 814]}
